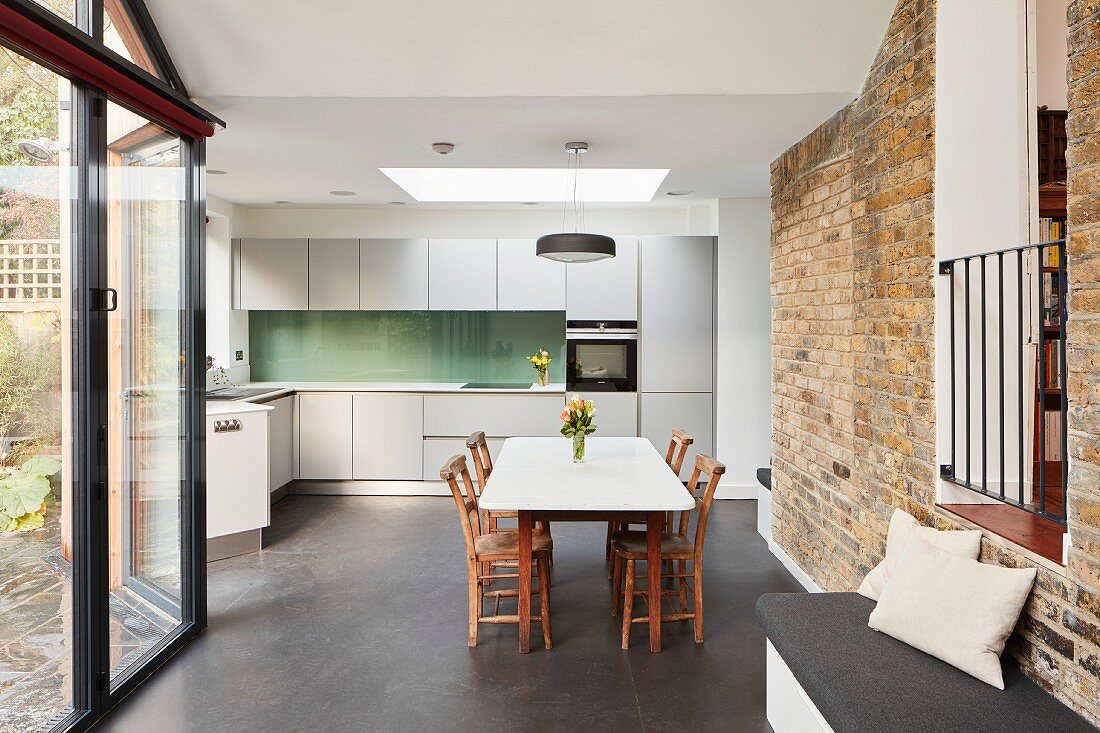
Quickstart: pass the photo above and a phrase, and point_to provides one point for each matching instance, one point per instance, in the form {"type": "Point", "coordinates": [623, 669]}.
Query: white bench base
{"type": "Point", "coordinates": [790, 710]}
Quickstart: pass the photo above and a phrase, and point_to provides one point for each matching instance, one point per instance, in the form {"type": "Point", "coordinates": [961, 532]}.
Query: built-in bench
{"type": "Point", "coordinates": [828, 671]}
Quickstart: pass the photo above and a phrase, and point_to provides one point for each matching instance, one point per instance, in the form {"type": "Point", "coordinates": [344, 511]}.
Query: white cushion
{"type": "Point", "coordinates": [954, 608]}
{"type": "Point", "coordinates": [903, 527]}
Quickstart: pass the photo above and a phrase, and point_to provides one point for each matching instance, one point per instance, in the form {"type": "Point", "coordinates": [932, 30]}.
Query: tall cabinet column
{"type": "Point", "coordinates": [676, 341]}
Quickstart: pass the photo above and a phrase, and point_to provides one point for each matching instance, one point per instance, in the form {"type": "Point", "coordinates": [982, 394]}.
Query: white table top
{"type": "Point", "coordinates": [618, 474]}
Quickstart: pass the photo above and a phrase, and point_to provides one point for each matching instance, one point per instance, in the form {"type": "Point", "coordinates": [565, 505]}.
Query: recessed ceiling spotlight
{"type": "Point", "coordinates": [680, 192]}
{"type": "Point", "coordinates": [397, 203]}
{"type": "Point", "coordinates": [215, 172]}
{"type": "Point", "coordinates": [342, 193]}
{"type": "Point", "coordinates": [530, 203]}
{"type": "Point", "coordinates": [282, 202]}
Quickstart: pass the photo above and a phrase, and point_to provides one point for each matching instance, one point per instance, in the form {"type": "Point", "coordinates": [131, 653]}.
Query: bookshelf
{"type": "Point", "coordinates": [1049, 380]}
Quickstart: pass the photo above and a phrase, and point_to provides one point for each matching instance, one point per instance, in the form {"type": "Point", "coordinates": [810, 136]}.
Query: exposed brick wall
{"type": "Point", "coordinates": [812, 404]}
{"type": "Point", "coordinates": [853, 270]}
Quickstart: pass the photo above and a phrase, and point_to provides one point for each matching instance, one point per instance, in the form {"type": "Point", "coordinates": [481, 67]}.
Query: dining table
{"type": "Point", "coordinates": [619, 479]}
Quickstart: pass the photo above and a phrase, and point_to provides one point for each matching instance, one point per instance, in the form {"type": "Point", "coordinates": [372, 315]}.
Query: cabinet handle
{"type": "Point", "coordinates": [227, 426]}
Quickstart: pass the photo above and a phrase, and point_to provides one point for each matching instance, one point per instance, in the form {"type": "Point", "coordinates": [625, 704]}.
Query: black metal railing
{"type": "Point", "coordinates": [986, 338]}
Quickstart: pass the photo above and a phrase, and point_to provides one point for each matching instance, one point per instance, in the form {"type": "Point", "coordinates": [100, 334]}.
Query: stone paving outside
{"type": "Point", "coordinates": [36, 628]}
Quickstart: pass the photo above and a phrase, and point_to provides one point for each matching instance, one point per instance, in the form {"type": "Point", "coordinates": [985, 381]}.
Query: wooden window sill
{"type": "Point", "coordinates": [1037, 538]}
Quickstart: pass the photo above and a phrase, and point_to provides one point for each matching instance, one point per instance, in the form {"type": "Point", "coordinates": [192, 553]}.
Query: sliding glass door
{"type": "Point", "coordinates": [147, 264]}
{"type": "Point", "coordinates": [39, 494]}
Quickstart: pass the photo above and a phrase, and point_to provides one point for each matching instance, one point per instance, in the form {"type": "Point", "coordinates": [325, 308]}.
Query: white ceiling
{"type": "Point", "coordinates": [318, 95]}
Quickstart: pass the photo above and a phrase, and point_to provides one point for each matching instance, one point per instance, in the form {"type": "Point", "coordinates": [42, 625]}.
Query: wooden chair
{"type": "Point", "coordinates": [485, 548]}
{"type": "Point", "coordinates": [628, 547]}
{"type": "Point", "coordinates": [674, 457]}
{"type": "Point", "coordinates": [483, 467]}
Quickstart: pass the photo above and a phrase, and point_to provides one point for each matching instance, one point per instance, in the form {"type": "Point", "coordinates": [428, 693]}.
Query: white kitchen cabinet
{"type": "Point", "coordinates": [606, 290]}
{"type": "Point", "coordinates": [388, 430]}
{"type": "Point", "coordinates": [281, 438]}
{"type": "Point", "coordinates": [462, 274]}
{"type": "Point", "coordinates": [274, 274]}
{"type": "Point", "coordinates": [525, 281]}
{"type": "Point", "coordinates": [676, 327]}
{"type": "Point", "coordinates": [325, 435]}
{"type": "Point", "coordinates": [438, 450]}
{"type": "Point", "coordinates": [616, 413]}
{"type": "Point", "coordinates": [498, 415]}
{"type": "Point", "coordinates": [692, 412]}
{"type": "Point", "coordinates": [393, 274]}
{"type": "Point", "coordinates": [333, 274]}
{"type": "Point", "coordinates": [237, 492]}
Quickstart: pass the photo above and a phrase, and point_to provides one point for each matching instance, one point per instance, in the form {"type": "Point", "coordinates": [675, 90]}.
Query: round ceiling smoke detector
{"type": "Point", "coordinates": [443, 148]}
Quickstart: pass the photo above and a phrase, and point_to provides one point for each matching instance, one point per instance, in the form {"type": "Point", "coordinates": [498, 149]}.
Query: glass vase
{"type": "Point", "coordinates": [544, 379]}
{"type": "Point", "coordinates": [578, 448]}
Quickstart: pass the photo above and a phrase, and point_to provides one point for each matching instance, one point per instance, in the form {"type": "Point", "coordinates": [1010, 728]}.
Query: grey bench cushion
{"type": "Point", "coordinates": [866, 682]}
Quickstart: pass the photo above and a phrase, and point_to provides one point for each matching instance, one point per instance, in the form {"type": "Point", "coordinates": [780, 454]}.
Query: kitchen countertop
{"type": "Point", "coordinates": [234, 407]}
{"type": "Point", "coordinates": [419, 387]}
{"type": "Point", "coordinates": [282, 389]}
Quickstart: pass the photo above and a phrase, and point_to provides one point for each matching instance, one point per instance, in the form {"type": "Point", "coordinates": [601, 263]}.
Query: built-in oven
{"type": "Point", "coordinates": [602, 356]}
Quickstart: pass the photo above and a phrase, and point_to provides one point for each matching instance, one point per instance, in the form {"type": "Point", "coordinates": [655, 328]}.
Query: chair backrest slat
{"type": "Point", "coordinates": [454, 470]}
{"type": "Point", "coordinates": [677, 449]}
{"type": "Point", "coordinates": [712, 470]}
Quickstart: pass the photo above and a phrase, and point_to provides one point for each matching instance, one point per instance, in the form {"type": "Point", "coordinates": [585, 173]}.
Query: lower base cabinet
{"type": "Point", "coordinates": [616, 413]}
{"type": "Point", "coordinates": [387, 430]}
{"type": "Point", "coordinates": [325, 436]}
{"type": "Point", "coordinates": [692, 412]}
{"type": "Point", "coordinates": [237, 491]}
{"type": "Point", "coordinates": [281, 454]}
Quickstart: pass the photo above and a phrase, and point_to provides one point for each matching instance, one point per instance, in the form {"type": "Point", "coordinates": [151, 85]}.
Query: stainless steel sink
{"type": "Point", "coordinates": [497, 385]}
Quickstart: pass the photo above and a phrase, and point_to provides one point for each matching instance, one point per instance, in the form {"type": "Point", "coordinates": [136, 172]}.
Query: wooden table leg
{"type": "Point", "coordinates": [653, 568]}
{"type": "Point", "coordinates": [525, 525]}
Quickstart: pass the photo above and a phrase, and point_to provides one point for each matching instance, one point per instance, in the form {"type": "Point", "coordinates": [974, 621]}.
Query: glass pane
{"type": "Point", "coordinates": [36, 392]}
{"type": "Point", "coordinates": [146, 382]}
{"type": "Point", "coordinates": [122, 36]}
{"type": "Point", "coordinates": [404, 346]}
{"type": "Point", "coordinates": [65, 9]}
{"type": "Point", "coordinates": [607, 361]}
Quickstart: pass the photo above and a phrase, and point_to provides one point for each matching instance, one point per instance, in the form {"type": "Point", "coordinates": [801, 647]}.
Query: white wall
{"type": "Point", "coordinates": [1050, 53]}
{"type": "Point", "coordinates": [743, 375]}
{"type": "Point", "coordinates": [983, 202]}
{"type": "Point", "coordinates": [226, 329]}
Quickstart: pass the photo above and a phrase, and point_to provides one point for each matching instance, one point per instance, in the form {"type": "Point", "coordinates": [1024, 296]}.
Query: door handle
{"type": "Point", "coordinates": [104, 299]}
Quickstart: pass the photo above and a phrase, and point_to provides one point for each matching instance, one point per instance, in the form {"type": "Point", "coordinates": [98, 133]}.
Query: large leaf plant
{"type": "Point", "coordinates": [23, 493]}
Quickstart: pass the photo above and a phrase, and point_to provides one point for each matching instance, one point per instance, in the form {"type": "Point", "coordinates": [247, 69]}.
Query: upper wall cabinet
{"type": "Point", "coordinates": [274, 274]}
{"type": "Point", "coordinates": [333, 274]}
{"type": "Point", "coordinates": [526, 282]}
{"type": "Point", "coordinates": [462, 274]}
{"type": "Point", "coordinates": [677, 323]}
{"type": "Point", "coordinates": [393, 274]}
{"type": "Point", "coordinates": [606, 290]}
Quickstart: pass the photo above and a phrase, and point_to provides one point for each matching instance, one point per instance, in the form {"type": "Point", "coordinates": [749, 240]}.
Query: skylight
{"type": "Point", "coordinates": [518, 185]}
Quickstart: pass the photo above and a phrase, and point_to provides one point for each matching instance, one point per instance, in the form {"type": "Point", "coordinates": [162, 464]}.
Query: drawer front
{"type": "Point", "coordinates": [499, 416]}
{"type": "Point", "coordinates": [439, 450]}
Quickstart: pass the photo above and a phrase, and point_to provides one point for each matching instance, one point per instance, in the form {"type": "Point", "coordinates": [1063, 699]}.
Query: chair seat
{"type": "Point", "coordinates": [505, 545]}
{"type": "Point", "coordinates": [632, 544]}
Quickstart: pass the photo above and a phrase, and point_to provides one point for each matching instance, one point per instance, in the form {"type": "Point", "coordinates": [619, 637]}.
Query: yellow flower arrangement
{"type": "Point", "coordinates": [540, 360]}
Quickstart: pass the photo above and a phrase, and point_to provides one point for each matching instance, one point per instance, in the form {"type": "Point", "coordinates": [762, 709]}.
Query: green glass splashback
{"type": "Point", "coordinates": [403, 346]}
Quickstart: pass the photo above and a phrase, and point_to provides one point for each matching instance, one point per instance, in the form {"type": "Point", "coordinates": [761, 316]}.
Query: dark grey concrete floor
{"type": "Point", "coordinates": [354, 619]}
